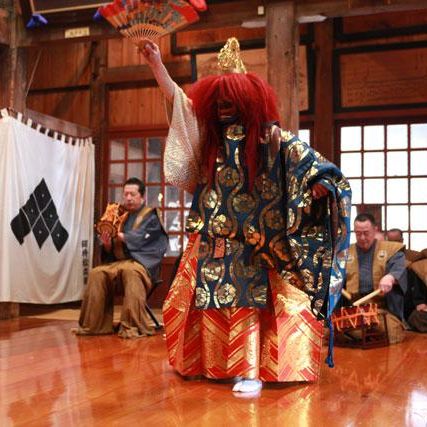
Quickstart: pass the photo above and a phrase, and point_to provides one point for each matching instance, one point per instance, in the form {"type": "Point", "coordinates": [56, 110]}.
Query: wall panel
{"type": "Point", "coordinates": [72, 106]}
{"type": "Point", "coordinates": [60, 66]}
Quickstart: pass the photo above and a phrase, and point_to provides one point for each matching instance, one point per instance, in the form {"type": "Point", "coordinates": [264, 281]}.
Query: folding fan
{"type": "Point", "coordinates": [151, 19]}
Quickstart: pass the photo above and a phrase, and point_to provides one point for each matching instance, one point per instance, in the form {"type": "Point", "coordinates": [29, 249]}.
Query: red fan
{"type": "Point", "coordinates": [141, 20]}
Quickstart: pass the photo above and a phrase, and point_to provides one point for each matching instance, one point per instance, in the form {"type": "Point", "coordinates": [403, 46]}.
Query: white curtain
{"type": "Point", "coordinates": [46, 215]}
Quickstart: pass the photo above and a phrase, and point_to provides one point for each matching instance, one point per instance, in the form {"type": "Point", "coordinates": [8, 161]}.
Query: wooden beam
{"type": "Point", "coordinates": [59, 125]}
{"type": "Point", "coordinates": [4, 27]}
{"type": "Point", "coordinates": [323, 99]}
{"type": "Point", "coordinates": [13, 71]}
{"type": "Point", "coordinates": [98, 123]}
{"type": "Point", "coordinates": [282, 41]}
{"type": "Point", "coordinates": [342, 8]}
{"type": "Point", "coordinates": [45, 35]}
{"type": "Point", "coordinates": [231, 14]}
{"type": "Point", "coordinates": [13, 75]}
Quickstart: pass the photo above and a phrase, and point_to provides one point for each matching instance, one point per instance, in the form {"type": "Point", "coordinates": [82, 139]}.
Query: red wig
{"type": "Point", "coordinates": [256, 105]}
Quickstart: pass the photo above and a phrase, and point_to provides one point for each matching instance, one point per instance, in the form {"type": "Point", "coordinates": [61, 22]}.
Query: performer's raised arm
{"type": "Point", "coordinates": [152, 56]}
{"type": "Point", "coordinates": [182, 156]}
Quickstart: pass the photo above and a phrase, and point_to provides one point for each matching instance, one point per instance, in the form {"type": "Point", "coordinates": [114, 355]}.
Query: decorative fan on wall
{"type": "Point", "coordinates": [151, 19]}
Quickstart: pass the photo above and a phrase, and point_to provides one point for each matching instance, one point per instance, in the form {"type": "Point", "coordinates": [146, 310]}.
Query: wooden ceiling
{"type": "Point", "coordinates": [63, 14]}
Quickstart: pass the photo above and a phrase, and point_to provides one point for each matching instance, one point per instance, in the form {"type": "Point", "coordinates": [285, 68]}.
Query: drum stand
{"type": "Point", "coordinates": [364, 336]}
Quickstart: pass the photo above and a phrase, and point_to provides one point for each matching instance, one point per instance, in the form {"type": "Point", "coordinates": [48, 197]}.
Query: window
{"type": "Point", "coordinates": [142, 157]}
{"type": "Point", "coordinates": [387, 165]}
{"type": "Point", "coordinates": [305, 135]}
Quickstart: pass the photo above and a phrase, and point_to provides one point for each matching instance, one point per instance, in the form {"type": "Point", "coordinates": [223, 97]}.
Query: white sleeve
{"type": "Point", "coordinates": [182, 156]}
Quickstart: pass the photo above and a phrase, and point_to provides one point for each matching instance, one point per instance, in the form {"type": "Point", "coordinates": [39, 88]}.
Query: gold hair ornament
{"type": "Point", "coordinates": [229, 60]}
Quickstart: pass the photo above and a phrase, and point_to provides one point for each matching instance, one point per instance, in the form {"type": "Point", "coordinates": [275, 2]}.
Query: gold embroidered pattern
{"type": "Point", "coordinates": [274, 219]}
{"type": "Point", "coordinates": [213, 270]}
{"type": "Point", "coordinates": [258, 293]}
{"type": "Point", "coordinates": [243, 203]}
{"type": "Point", "coordinates": [228, 177]}
{"type": "Point", "coordinates": [221, 225]}
{"type": "Point", "coordinates": [194, 222]}
{"type": "Point", "coordinates": [204, 249]}
{"type": "Point", "coordinates": [266, 187]}
{"type": "Point", "coordinates": [210, 199]}
{"type": "Point", "coordinates": [297, 152]}
{"type": "Point", "coordinates": [244, 271]}
{"type": "Point", "coordinates": [202, 297]}
{"type": "Point", "coordinates": [286, 135]}
{"type": "Point", "coordinates": [225, 293]}
{"type": "Point", "coordinates": [252, 235]}
{"type": "Point", "coordinates": [235, 133]}
{"type": "Point", "coordinates": [279, 248]}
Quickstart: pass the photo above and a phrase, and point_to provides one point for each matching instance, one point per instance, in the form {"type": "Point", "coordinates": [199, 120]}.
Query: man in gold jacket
{"type": "Point", "coordinates": [374, 264]}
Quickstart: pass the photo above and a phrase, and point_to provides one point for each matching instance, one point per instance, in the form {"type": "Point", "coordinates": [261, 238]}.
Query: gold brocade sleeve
{"type": "Point", "coordinates": [183, 144]}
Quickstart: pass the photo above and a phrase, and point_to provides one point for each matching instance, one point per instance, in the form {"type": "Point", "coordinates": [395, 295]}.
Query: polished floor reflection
{"type": "Point", "coordinates": [49, 377]}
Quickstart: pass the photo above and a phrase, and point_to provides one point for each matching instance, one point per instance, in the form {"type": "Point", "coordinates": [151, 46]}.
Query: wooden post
{"type": "Point", "coordinates": [4, 26]}
{"type": "Point", "coordinates": [282, 40]}
{"type": "Point", "coordinates": [13, 71]}
{"type": "Point", "coordinates": [13, 75]}
{"type": "Point", "coordinates": [323, 98]}
{"type": "Point", "coordinates": [98, 119]}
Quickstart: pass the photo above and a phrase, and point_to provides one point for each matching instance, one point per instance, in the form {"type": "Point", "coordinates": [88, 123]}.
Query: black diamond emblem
{"type": "Point", "coordinates": [59, 236]}
{"type": "Point", "coordinates": [41, 232]}
{"type": "Point", "coordinates": [50, 216]}
{"type": "Point", "coordinates": [20, 226]}
{"type": "Point", "coordinates": [42, 195]}
{"type": "Point", "coordinates": [39, 215]}
{"type": "Point", "coordinates": [31, 210]}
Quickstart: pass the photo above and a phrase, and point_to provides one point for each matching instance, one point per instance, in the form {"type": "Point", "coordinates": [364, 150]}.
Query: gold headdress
{"type": "Point", "coordinates": [229, 60]}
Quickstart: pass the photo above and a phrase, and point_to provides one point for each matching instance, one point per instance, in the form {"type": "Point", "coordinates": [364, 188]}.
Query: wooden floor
{"type": "Point", "coordinates": [50, 377]}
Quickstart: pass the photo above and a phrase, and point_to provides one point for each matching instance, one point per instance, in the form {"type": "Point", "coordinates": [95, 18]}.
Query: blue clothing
{"type": "Point", "coordinates": [146, 243]}
{"type": "Point", "coordinates": [274, 225]}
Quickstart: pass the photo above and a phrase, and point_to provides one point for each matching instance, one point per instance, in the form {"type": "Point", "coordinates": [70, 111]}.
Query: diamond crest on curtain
{"type": "Point", "coordinates": [39, 215]}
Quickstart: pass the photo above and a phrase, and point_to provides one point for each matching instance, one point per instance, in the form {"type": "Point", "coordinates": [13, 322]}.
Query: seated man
{"type": "Point", "coordinates": [418, 317]}
{"type": "Point", "coordinates": [379, 265]}
{"type": "Point", "coordinates": [396, 235]}
{"type": "Point", "coordinates": [134, 257]}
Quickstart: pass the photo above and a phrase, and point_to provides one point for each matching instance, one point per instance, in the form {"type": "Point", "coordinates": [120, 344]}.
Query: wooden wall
{"type": "Point", "coordinates": [380, 65]}
{"type": "Point", "coordinates": [59, 78]}
{"type": "Point", "coordinates": [366, 73]}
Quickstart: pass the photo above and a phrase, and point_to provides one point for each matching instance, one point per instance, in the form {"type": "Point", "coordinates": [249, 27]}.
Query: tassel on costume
{"type": "Point", "coordinates": [330, 358]}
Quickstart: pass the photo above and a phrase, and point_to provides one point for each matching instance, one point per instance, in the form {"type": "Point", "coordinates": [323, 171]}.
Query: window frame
{"type": "Point", "coordinates": [126, 136]}
{"type": "Point", "coordinates": [378, 121]}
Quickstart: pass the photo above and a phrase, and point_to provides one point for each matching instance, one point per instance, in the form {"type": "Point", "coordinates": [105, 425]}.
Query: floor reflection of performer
{"type": "Point", "coordinates": [133, 258]}
{"type": "Point", "coordinates": [261, 246]}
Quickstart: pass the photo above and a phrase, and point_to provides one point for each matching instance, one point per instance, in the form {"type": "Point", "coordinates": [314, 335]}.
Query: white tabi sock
{"type": "Point", "coordinates": [248, 386]}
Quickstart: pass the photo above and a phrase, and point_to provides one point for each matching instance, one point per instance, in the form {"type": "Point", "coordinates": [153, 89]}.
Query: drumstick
{"type": "Point", "coordinates": [367, 297]}
{"type": "Point", "coordinates": [346, 294]}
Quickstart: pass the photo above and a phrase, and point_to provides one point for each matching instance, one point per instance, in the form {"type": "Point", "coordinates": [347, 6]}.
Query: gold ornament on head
{"type": "Point", "coordinates": [229, 60]}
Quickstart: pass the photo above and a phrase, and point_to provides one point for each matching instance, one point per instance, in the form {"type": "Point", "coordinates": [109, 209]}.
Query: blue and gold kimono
{"type": "Point", "coordinates": [262, 263]}
{"type": "Point", "coordinates": [275, 225]}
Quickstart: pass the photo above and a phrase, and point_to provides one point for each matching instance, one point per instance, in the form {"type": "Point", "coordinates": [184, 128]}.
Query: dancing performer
{"type": "Point", "coordinates": [269, 228]}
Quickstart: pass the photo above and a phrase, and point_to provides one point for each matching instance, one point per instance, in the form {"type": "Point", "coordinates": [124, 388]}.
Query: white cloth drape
{"type": "Point", "coordinates": [46, 215]}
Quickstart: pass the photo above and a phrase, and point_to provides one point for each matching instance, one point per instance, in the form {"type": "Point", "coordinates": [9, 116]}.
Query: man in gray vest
{"type": "Point", "coordinates": [133, 260]}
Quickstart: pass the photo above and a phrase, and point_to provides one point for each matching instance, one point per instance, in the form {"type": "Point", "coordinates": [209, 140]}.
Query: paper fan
{"type": "Point", "coordinates": [139, 20]}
